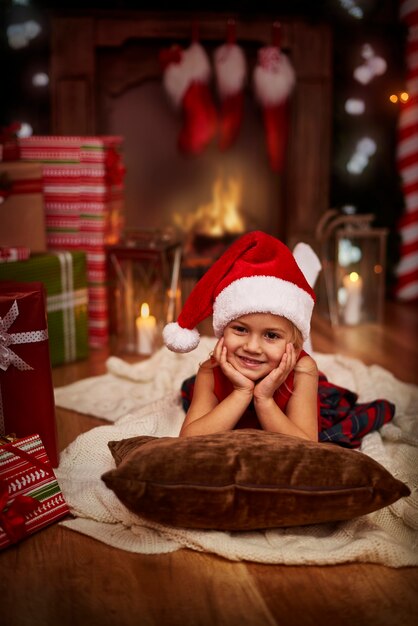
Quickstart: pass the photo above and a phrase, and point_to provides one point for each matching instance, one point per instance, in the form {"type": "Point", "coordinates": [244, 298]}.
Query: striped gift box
{"type": "Point", "coordinates": [66, 149]}
{"type": "Point", "coordinates": [9, 255]}
{"type": "Point", "coordinates": [30, 496]}
{"type": "Point", "coordinates": [83, 189]}
{"type": "Point", "coordinates": [79, 199]}
{"type": "Point", "coordinates": [65, 278]}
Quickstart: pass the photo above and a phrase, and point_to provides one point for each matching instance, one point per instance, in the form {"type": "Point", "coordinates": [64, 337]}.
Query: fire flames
{"type": "Point", "coordinates": [221, 216]}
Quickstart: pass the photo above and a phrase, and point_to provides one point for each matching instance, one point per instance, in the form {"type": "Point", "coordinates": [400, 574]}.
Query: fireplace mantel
{"type": "Point", "coordinates": [78, 37]}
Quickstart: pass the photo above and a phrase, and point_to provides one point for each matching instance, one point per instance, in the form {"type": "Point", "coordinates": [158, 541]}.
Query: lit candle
{"type": "Point", "coordinates": [353, 285]}
{"type": "Point", "coordinates": [145, 330]}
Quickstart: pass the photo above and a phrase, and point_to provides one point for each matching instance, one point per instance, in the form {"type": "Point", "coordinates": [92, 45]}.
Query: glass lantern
{"type": "Point", "coordinates": [143, 289]}
{"type": "Point", "coordinates": [353, 256]}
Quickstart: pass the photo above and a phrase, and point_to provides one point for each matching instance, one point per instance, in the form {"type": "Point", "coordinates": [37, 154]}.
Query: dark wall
{"type": "Point", "coordinates": [377, 190]}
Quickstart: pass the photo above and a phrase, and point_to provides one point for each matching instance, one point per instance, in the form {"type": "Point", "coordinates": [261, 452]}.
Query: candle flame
{"type": "Point", "coordinates": [354, 277]}
{"type": "Point", "coordinates": [144, 309]}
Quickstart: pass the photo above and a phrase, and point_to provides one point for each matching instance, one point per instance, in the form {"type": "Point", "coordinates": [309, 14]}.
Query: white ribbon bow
{"type": "Point", "coordinates": [7, 355]}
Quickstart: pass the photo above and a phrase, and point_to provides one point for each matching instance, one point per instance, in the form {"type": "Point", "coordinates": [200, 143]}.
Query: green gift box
{"type": "Point", "coordinates": [65, 278]}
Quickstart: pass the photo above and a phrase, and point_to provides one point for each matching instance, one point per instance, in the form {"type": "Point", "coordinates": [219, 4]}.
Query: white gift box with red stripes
{"type": "Point", "coordinates": [83, 189]}
{"type": "Point", "coordinates": [9, 255]}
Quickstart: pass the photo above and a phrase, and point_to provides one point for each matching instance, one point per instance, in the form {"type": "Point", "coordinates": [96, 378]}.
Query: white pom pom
{"type": "Point", "coordinates": [180, 339]}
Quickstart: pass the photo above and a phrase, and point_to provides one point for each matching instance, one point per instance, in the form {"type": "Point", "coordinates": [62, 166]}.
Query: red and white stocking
{"type": "Point", "coordinates": [274, 79]}
{"type": "Point", "coordinates": [230, 73]}
{"type": "Point", "coordinates": [186, 76]}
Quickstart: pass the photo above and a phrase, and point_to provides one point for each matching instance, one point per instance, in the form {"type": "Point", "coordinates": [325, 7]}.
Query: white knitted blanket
{"type": "Point", "coordinates": [144, 399]}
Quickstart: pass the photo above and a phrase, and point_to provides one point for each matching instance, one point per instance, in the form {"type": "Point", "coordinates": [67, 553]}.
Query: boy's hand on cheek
{"type": "Point", "coordinates": [239, 381]}
{"type": "Point", "coordinates": [268, 385]}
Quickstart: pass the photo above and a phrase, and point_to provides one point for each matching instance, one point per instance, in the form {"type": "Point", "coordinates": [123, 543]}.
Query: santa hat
{"type": "Point", "coordinates": [257, 274]}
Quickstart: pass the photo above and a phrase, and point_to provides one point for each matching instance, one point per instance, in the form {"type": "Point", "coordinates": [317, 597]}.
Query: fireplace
{"type": "Point", "coordinates": [189, 193]}
{"type": "Point", "coordinates": [106, 79]}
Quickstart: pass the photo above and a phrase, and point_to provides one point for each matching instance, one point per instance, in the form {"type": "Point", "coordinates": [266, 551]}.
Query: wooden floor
{"type": "Point", "coordinates": [58, 577]}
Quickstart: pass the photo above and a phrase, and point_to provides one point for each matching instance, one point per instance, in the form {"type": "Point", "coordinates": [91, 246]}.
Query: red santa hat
{"type": "Point", "coordinates": [257, 274]}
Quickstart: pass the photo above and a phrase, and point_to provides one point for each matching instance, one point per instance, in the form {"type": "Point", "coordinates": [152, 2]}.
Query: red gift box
{"type": "Point", "coordinates": [26, 389]}
{"type": "Point", "coordinates": [30, 497]}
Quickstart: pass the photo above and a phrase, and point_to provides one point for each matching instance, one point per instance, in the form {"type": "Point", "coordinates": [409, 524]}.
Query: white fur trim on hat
{"type": "Point", "coordinates": [263, 294]}
{"type": "Point", "coordinates": [180, 339]}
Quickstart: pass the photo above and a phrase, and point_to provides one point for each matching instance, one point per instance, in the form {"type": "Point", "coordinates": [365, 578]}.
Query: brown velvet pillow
{"type": "Point", "coordinates": [246, 480]}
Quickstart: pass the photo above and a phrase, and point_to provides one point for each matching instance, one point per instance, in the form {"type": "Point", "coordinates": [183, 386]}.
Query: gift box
{"type": "Point", "coordinates": [26, 389]}
{"type": "Point", "coordinates": [22, 210]}
{"type": "Point", "coordinates": [83, 189]}
{"type": "Point", "coordinates": [30, 497]}
{"type": "Point", "coordinates": [64, 276]}
{"type": "Point", "coordinates": [82, 205]}
{"type": "Point", "coordinates": [9, 255]}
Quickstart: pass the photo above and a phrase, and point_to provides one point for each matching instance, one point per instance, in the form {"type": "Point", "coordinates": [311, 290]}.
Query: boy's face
{"type": "Point", "coordinates": [256, 342]}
